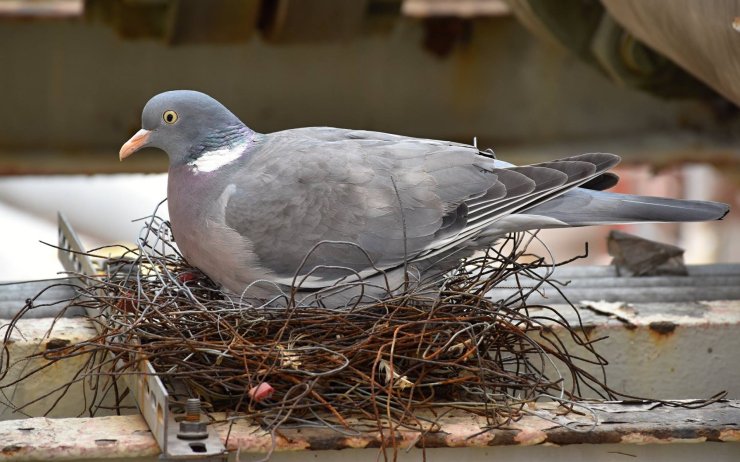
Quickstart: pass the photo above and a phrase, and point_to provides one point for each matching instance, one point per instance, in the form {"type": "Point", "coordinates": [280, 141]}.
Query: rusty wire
{"type": "Point", "coordinates": [439, 344]}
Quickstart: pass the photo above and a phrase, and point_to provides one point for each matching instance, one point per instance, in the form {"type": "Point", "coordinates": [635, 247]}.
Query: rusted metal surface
{"type": "Point", "coordinates": [602, 423]}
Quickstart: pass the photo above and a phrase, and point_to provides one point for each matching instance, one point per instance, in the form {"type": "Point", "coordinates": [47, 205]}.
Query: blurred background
{"type": "Point", "coordinates": [657, 82]}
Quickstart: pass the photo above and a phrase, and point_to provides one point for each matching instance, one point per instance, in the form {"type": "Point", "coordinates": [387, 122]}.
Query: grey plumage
{"type": "Point", "coordinates": [246, 206]}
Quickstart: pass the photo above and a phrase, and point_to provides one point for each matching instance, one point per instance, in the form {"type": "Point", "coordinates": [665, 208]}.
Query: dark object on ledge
{"type": "Point", "coordinates": [636, 256]}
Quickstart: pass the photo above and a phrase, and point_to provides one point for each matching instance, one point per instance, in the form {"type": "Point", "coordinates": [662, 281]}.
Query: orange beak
{"type": "Point", "coordinates": [138, 141]}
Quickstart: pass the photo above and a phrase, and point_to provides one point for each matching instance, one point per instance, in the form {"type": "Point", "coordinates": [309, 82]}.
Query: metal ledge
{"type": "Point", "coordinates": [618, 423]}
{"type": "Point", "coordinates": [666, 350]}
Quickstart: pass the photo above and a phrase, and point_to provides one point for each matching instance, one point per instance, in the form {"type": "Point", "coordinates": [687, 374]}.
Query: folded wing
{"type": "Point", "coordinates": [379, 199]}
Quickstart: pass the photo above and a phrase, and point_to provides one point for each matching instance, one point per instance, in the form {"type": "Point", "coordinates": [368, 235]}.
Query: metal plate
{"type": "Point", "coordinates": [148, 390]}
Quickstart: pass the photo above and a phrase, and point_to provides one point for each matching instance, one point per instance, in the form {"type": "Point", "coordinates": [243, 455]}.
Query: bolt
{"type": "Point", "coordinates": [192, 410]}
{"type": "Point", "coordinates": [191, 428]}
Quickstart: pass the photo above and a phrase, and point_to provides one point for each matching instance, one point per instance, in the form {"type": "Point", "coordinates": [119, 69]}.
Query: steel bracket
{"type": "Point", "coordinates": [150, 394]}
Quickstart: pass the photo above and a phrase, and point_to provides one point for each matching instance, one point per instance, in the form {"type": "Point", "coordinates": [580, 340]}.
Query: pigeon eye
{"type": "Point", "coordinates": [170, 117]}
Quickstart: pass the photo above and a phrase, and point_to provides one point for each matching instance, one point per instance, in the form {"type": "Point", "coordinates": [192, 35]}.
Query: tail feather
{"type": "Point", "coordinates": [582, 207]}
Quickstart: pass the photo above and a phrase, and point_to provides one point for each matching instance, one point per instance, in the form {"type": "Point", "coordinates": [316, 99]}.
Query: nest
{"type": "Point", "coordinates": [439, 345]}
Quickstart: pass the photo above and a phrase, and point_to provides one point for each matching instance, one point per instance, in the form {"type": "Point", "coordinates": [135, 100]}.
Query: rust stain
{"type": "Point", "coordinates": [55, 348]}
{"type": "Point", "coordinates": [588, 330]}
{"type": "Point", "coordinates": [57, 343]}
{"type": "Point", "coordinates": [335, 442]}
{"type": "Point", "coordinates": [563, 438]}
{"type": "Point", "coordinates": [662, 328]}
{"type": "Point", "coordinates": [10, 450]}
{"type": "Point", "coordinates": [261, 441]}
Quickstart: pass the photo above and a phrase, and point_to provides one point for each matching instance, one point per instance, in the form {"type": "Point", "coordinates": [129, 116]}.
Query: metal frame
{"type": "Point", "coordinates": [146, 387]}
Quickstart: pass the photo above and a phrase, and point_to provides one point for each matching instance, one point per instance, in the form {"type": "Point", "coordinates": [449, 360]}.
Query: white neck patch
{"type": "Point", "coordinates": [211, 161]}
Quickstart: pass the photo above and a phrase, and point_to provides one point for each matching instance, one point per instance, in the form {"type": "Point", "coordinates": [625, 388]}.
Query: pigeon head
{"type": "Point", "coordinates": [185, 124]}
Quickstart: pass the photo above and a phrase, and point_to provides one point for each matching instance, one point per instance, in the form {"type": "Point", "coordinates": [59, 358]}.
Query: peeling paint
{"type": "Point", "coordinates": [529, 437]}
{"type": "Point", "coordinates": [257, 440]}
{"type": "Point", "coordinates": [353, 442]}
{"type": "Point", "coordinates": [729, 435]}
{"type": "Point", "coordinates": [458, 434]}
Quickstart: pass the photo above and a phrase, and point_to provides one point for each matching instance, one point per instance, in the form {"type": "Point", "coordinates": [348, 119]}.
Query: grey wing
{"type": "Point", "coordinates": [524, 187]}
{"type": "Point", "coordinates": [392, 198]}
{"type": "Point", "coordinates": [378, 201]}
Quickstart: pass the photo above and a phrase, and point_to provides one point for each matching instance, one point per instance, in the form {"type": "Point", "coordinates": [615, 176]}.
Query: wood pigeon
{"type": "Point", "coordinates": [322, 206]}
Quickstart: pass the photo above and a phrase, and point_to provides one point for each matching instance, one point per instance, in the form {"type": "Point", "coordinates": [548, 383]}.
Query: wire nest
{"type": "Point", "coordinates": [438, 345]}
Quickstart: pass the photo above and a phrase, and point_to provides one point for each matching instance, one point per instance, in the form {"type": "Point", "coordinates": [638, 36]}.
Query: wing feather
{"type": "Point", "coordinates": [397, 198]}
